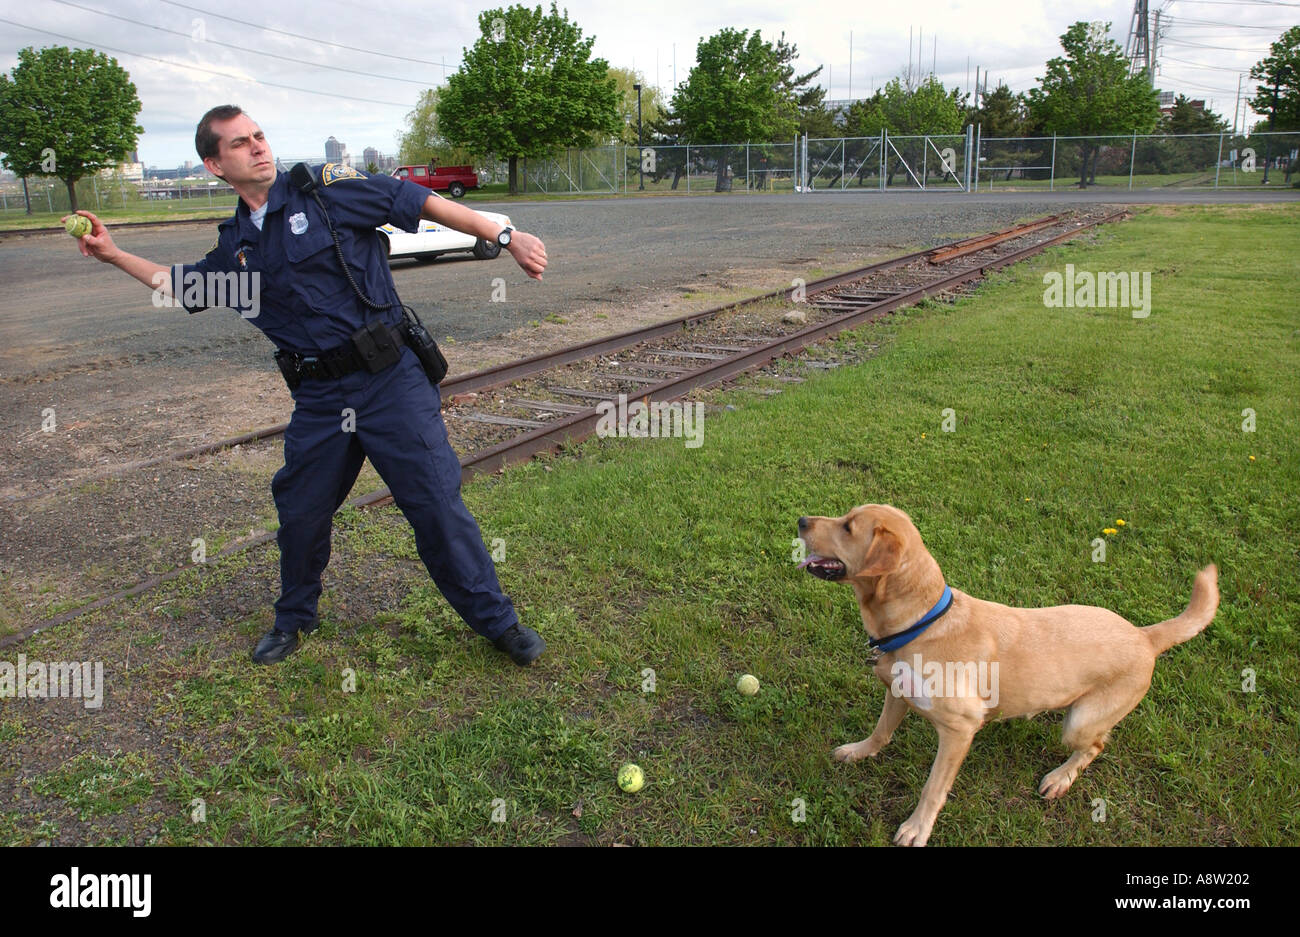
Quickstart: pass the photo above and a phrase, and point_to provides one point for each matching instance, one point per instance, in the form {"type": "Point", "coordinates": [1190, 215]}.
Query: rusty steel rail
{"type": "Point", "coordinates": [972, 245]}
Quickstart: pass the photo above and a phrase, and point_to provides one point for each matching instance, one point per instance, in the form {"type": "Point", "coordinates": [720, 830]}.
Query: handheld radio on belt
{"type": "Point", "coordinates": [375, 345]}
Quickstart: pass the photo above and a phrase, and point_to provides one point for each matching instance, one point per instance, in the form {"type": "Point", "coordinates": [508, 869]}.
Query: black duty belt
{"type": "Point", "coordinates": [373, 348]}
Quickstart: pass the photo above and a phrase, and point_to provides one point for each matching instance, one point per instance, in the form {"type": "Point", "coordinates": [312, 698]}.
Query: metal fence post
{"type": "Point", "coordinates": [884, 139]}
{"type": "Point", "coordinates": [965, 174]}
{"type": "Point", "coordinates": [1051, 185]}
{"type": "Point", "coordinates": [747, 186]}
{"type": "Point", "coordinates": [1218, 161]}
{"type": "Point", "coordinates": [979, 139]}
{"type": "Point", "coordinates": [688, 168]}
{"type": "Point", "coordinates": [1132, 156]}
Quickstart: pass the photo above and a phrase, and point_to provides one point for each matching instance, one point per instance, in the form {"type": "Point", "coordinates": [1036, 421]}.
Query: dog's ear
{"type": "Point", "coordinates": [884, 555]}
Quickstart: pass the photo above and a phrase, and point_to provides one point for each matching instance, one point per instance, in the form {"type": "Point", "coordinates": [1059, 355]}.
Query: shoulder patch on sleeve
{"type": "Point", "coordinates": [333, 172]}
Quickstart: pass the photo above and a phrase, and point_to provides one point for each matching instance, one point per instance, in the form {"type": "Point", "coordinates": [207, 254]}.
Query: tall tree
{"type": "Point", "coordinates": [805, 100]}
{"type": "Point", "coordinates": [423, 142]}
{"type": "Point", "coordinates": [1280, 66]}
{"type": "Point", "coordinates": [1184, 118]}
{"type": "Point", "coordinates": [66, 113]}
{"type": "Point", "coordinates": [528, 87]}
{"type": "Point", "coordinates": [927, 108]}
{"type": "Point", "coordinates": [742, 88]}
{"type": "Point", "coordinates": [1089, 92]}
{"type": "Point", "coordinates": [1002, 113]}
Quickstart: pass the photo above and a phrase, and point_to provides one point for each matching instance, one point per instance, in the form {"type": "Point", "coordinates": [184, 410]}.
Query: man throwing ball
{"type": "Point", "coordinates": [358, 387]}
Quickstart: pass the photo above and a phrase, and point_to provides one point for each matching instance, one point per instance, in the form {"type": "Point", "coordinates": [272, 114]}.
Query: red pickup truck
{"type": "Point", "coordinates": [454, 179]}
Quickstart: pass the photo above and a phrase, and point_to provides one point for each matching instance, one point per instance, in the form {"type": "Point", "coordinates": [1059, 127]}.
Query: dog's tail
{"type": "Point", "coordinates": [1198, 614]}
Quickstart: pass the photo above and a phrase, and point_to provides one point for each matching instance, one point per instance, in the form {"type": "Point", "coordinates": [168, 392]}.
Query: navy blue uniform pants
{"type": "Point", "coordinates": [393, 418]}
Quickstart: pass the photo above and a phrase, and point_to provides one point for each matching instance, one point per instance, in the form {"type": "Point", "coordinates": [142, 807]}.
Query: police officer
{"type": "Point", "coordinates": [361, 390]}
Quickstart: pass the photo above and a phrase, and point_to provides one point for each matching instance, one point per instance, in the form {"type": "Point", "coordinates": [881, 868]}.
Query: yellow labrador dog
{"type": "Point", "coordinates": [962, 662]}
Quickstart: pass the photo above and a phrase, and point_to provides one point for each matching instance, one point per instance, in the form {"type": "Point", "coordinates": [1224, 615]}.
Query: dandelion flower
{"type": "Point", "coordinates": [1110, 530]}
{"type": "Point", "coordinates": [1119, 522]}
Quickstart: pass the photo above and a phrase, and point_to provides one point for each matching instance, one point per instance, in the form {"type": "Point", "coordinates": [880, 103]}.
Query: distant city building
{"type": "Point", "coordinates": [1167, 103]}
{"type": "Point", "coordinates": [383, 163]}
{"type": "Point", "coordinates": [336, 152]}
{"type": "Point", "coordinates": [130, 171]}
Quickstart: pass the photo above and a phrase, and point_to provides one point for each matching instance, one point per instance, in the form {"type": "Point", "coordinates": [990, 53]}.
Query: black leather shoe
{"type": "Point", "coordinates": [523, 644]}
{"type": "Point", "coordinates": [278, 644]}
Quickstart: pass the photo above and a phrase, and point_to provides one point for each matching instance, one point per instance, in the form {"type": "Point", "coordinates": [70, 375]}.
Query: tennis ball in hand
{"type": "Point", "coordinates": [747, 685]}
{"type": "Point", "coordinates": [78, 226]}
{"type": "Point", "coordinates": [631, 778]}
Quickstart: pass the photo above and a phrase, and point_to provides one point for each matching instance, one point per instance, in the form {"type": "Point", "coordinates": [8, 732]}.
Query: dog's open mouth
{"type": "Point", "coordinates": [823, 567]}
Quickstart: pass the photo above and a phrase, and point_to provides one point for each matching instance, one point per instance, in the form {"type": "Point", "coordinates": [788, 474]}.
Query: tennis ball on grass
{"type": "Point", "coordinates": [631, 778]}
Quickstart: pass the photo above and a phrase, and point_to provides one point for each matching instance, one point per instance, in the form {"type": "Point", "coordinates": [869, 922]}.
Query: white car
{"type": "Point", "coordinates": [435, 239]}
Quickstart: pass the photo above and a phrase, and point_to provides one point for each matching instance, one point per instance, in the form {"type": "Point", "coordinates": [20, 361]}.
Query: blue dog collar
{"type": "Point", "coordinates": [893, 642]}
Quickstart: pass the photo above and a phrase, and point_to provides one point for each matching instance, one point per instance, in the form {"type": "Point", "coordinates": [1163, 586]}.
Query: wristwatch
{"type": "Point", "coordinates": [503, 239]}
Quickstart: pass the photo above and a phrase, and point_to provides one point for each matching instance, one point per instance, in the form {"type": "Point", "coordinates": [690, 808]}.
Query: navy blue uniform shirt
{"type": "Point", "coordinates": [304, 303]}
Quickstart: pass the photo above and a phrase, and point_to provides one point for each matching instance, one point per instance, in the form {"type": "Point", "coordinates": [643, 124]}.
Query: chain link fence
{"type": "Point", "coordinates": [1140, 161]}
{"type": "Point", "coordinates": [677, 168]}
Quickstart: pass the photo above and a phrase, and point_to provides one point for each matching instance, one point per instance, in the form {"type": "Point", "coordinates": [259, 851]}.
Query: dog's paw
{"type": "Point", "coordinates": [1056, 783]}
{"type": "Point", "coordinates": [867, 748]}
{"type": "Point", "coordinates": [913, 832]}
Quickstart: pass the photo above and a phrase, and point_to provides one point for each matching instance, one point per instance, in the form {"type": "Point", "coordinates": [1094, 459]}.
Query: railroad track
{"type": "Point", "coordinates": [512, 412]}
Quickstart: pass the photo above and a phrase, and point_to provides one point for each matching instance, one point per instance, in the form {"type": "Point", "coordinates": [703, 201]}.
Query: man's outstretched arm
{"type": "Point", "coordinates": [99, 244]}
{"type": "Point", "coordinates": [528, 251]}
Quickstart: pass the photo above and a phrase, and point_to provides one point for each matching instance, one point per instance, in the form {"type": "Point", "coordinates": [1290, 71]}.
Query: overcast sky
{"type": "Point", "coordinates": [174, 51]}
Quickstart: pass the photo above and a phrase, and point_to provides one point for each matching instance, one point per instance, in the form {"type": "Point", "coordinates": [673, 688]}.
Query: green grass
{"type": "Point", "coordinates": [645, 555]}
{"type": "Point", "coordinates": [992, 180]}
{"type": "Point", "coordinates": [135, 212]}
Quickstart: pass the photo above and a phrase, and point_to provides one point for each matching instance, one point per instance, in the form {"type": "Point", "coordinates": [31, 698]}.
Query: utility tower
{"type": "Point", "coordinates": [1140, 49]}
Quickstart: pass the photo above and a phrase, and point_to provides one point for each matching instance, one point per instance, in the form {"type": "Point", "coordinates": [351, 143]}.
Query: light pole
{"type": "Point", "coordinates": [640, 158]}
{"type": "Point", "coordinates": [1272, 120]}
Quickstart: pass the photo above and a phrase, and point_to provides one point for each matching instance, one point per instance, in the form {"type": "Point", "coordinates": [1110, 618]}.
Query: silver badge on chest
{"type": "Point", "coordinates": [298, 223]}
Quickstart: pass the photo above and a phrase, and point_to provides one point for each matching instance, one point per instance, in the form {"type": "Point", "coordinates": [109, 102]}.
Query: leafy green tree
{"type": "Point", "coordinates": [527, 88]}
{"type": "Point", "coordinates": [927, 108]}
{"type": "Point", "coordinates": [423, 143]}
{"type": "Point", "coordinates": [1280, 66]}
{"type": "Point", "coordinates": [741, 89]}
{"type": "Point", "coordinates": [1187, 119]}
{"type": "Point", "coordinates": [799, 97]}
{"type": "Point", "coordinates": [66, 113]}
{"type": "Point", "coordinates": [1089, 92]}
{"type": "Point", "coordinates": [1002, 113]}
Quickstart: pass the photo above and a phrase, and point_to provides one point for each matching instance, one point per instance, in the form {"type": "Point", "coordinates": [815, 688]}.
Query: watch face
{"type": "Point", "coordinates": [504, 237]}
